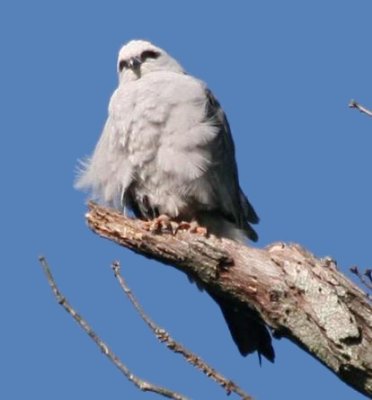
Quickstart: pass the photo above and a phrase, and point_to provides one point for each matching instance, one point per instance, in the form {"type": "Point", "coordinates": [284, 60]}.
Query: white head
{"type": "Point", "coordinates": [139, 57]}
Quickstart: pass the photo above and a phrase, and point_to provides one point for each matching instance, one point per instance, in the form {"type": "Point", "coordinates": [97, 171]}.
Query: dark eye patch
{"type": "Point", "coordinates": [149, 54]}
{"type": "Point", "coordinates": [123, 64]}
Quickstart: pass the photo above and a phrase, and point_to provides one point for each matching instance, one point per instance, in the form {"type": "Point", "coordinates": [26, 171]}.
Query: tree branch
{"type": "Point", "coordinates": [299, 296]}
{"type": "Point", "coordinates": [140, 383]}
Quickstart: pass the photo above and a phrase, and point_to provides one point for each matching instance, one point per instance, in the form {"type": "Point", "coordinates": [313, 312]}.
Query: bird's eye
{"type": "Point", "coordinates": [149, 54]}
{"type": "Point", "coordinates": [123, 64]}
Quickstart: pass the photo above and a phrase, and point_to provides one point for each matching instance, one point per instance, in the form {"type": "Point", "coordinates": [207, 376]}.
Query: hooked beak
{"type": "Point", "coordinates": [134, 63]}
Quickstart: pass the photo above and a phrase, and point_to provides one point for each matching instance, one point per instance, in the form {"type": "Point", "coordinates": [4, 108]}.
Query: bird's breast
{"type": "Point", "coordinates": [165, 137]}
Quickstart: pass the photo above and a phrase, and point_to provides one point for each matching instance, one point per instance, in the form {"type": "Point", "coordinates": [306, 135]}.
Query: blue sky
{"type": "Point", "coordinates": [284, 73]}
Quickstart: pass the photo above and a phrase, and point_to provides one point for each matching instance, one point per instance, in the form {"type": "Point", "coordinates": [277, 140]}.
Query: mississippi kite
{"type": "Point", "coordinates": [167, 149]}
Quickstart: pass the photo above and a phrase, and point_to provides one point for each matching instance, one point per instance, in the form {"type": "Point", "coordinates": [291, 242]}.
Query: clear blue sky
{"type": "Point", "coordinates": [284, 72]}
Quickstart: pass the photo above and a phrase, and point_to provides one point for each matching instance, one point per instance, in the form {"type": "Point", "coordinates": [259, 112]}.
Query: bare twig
{"type": "Point", "coordinates": [140, 383]}
{"type": "Point", "coordinates": [364, 277]}
{"type": "Point", "coordinates": [362, 109]}
{"type": "Point", "coordinates": [164, 337]}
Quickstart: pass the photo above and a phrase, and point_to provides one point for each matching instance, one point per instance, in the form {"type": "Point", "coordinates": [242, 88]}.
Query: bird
{"type": "Point", "coordinates": [167, 150]}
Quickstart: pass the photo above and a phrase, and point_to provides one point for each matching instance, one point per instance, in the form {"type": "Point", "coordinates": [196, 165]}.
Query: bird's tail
{"type": "Point", "coordinates": [246, 328]}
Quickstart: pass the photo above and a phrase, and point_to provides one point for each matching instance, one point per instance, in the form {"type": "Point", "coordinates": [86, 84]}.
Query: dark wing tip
{"type": "Point", "coordinates": [249, 212]}
{"type": "Point", "coordinates": [252, 234]}
{"type": "Point", "coordinates": [253, 218]}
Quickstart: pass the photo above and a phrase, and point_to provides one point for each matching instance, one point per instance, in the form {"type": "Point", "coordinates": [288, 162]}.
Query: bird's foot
{"type": "Point", "coordinates": [192, 227]}
{"type": "Point", "coordinates": [160, 224]}
{"type": "Point", "coordinates": [163, 224]}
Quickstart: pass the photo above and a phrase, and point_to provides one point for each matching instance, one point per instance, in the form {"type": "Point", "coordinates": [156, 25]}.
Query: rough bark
{"type": "Point", "coordinates": [300, 297]}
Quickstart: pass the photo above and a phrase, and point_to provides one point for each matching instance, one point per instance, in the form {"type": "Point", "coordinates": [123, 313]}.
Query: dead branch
{"type": "Point", "coordinates": [140, 383]}
{"type": "Point", "coordinates": [299, 296]}
{"type": "Point", "coordinates": [163, 336]}
{"type": "Point", "coordinates": [362, 109]}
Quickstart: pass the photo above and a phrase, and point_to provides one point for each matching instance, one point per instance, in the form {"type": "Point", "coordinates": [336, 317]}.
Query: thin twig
{"type": "Point", "coordinates": [140, 383]}
{"type": "Point", "coordinates": [163, 336]}
{"type": "Point", "coordinates": [362, 109]}
{"type": "Point", "coordinates": [364, 277]}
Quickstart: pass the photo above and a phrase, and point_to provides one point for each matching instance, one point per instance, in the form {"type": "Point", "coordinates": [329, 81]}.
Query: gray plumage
{"type": "Point", "coordinates": [166, 148]}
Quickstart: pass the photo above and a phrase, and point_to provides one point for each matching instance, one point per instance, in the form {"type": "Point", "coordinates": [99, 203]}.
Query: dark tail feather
{"type": "Point", "coordinates": [247, 330]}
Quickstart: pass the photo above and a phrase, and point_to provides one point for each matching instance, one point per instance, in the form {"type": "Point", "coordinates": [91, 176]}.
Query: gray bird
{"type": "Point", "coordinates": [167, 149]}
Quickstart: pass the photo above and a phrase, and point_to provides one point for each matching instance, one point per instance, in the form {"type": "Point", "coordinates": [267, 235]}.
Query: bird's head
{"type": "Point", "coordinates": [139, 57]}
